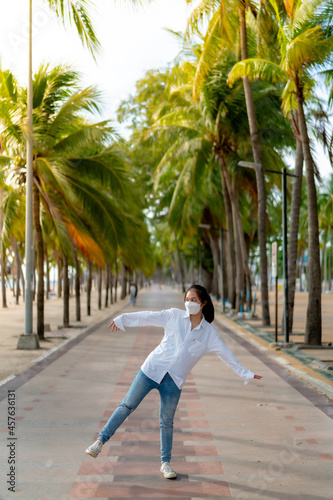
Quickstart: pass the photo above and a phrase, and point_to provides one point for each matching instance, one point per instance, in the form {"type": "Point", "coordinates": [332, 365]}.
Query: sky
{"type": "Point", "coordinates": [133, 41]}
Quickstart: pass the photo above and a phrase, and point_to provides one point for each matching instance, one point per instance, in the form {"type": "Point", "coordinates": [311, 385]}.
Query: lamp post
{"type": "Point", "coordinates": [207, 226]}
{"type": "Point", "coordinates": [284, 174]}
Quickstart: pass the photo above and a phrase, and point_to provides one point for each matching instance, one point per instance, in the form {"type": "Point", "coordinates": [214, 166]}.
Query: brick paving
{"type": "Point", "coordinates": [266, 440]}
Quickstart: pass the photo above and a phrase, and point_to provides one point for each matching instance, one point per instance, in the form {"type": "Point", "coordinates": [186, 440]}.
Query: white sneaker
{"type": "Point", "coordinates": [94, 449]}
{"type": "Point", "coordinates": [168, 471]}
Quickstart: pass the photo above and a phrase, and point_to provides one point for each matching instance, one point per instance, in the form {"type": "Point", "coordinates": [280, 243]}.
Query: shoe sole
{"type": "Point", "coordinates": [169, 477]}
{"type": "Point", "coordinates": [91, 453]}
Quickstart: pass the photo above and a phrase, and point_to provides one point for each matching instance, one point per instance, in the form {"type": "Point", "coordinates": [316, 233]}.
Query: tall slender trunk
{"type": "Point", "coordinates": [40, 262]}
{"type": "Point", "coordinates": [324, 267]}
{"type": "Point", "coordinates": [296, 198]}
{"type": "Point", "coordinates": [313, 319]}
{"type": "Point", "coordinates": [245, 277]}
{"type": "Point", "coordinates": [214, 244]}
{"type": "Point", "coordinates": [123, 278]}
{"type": "Point", "coordinates": [3, 277]}
{"type": "Point", "coordinates": [66, 293]}
{"type": "Point", "coordinates": [59, 294]}
{"type": "Point", "coordinates": [256, 148]}
{"type": "Point", "coordinates": [180, 263]}
{"type": "Point", "coordinates": [100, 272]}
{"type": "Point", "coordinates": [89, 286]}
{"type": "Point", "coordinates": [231, 267]}
{"type": "Point", "coordinates": [107, 284]}
{"type": "Point", "coordinates": [115, 280]}
{"type": "Point", "coordinates": [22, 278]}
{"type": "Point", "coordinates": [18, 270]}
{"type": "Point", "coordinates": [48, 286]}
{"type": "Point", "coordinates": [330, 268]}
{"type": "Point", "coordinates": [77, 284]}
{"type": "Point", "coordinates": [111, 285]}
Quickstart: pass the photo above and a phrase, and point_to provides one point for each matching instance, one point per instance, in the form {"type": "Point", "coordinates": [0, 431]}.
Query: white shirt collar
{"type": "Point", "coordinates": [186, 315]}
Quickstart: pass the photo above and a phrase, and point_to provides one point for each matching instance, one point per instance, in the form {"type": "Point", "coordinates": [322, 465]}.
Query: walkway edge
{"type": "Point", "coordinates": [303, 372]}
{"type": "Point", "coordinates": [38, 364]}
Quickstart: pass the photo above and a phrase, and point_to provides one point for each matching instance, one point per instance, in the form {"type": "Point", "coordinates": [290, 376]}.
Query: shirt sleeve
{"type": "Point", "coordinates": [225, 354]}
{"type": "Point", "coordinates": [143, 318]}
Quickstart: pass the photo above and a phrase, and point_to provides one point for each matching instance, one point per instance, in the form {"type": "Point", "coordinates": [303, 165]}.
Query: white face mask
{"type": "Point", "coordinates": [192, 307]}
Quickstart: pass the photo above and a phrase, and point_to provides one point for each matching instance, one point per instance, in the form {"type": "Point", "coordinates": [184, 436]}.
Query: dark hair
{"type": "Point", "coordinates": [208, 309]}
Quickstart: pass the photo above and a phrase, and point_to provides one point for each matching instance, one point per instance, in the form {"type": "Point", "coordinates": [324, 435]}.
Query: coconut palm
{"type": "Point", "coordinates": [76, 167]}
{"type": "Point", "coordinates": [228, 18]}
{"type": "Point", "coordinates": [304, 48]}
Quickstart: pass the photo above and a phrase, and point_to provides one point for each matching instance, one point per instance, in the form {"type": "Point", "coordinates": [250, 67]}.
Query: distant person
{"type": "Point", "coordinates": [188, 335]}
{"type": "Point", "coordinates": [133, 294]}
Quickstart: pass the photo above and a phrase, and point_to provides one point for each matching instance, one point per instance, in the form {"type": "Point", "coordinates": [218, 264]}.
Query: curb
{"type": "Point", "coordinates": [303, 371]}
{"type": "Point", "coordinates": [38, 364]}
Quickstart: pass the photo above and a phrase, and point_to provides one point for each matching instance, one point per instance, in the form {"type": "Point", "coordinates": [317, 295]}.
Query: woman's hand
{"type": "Point", "coordinates": [258, 377]}
{"type": "Point", "coordinates": [114, 328]}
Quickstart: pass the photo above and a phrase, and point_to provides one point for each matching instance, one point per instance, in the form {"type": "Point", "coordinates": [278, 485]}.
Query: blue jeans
{"type": "Point", "coordinates": [141, 386]}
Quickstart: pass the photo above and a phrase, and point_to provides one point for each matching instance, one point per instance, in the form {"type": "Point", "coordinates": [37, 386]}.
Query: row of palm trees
{"type": "Point", "coordinates": [86, 203]}
{"type": "Point", "coordinates": [243, 88]}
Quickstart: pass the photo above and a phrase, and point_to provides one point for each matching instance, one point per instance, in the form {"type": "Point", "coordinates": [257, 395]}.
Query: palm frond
{"type": "Point", "coordinates": [77, 12]}
{"type": "Point", "coordinates": [257, 69]}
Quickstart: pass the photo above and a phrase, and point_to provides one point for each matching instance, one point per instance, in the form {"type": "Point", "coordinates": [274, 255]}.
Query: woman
{"type": "Point", "coordinates": [188, 335]}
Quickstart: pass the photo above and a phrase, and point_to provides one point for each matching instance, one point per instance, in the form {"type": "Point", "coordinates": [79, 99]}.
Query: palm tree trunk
{"type": "Point", "coordinates": [123, 279]}
{"type": "Point", "coordinates": [59, 294]}
{"type": "Point", "coordinates": [3, 279]}
{"type": "Point", "coordinates": [111, 284]}
{"type": "Point", "coordinates": [48, 286]}
{"type": "Point", "coordinates": [89, 286]}
{"type": "Point", "coordinates": [77, 284]}
{"type": "Point", "coordinates": [245, 277]}
{"type": "Point", "coordinates": [181, 268]}
{"type": "Point", "coordinates": [324, 267]}
{"type": "Point", "coordinates": [330, 268]}
{"type": "Point", "coordinates": [66, 294]}
{"type": "Point", "coordinates": [100, 287]}
{"type": "Point", "coordinates": [214, 245]}
{"type": "Point", "coordinates": [107, 284]}
{"type": "Point", "coordinates": [313, 320]}
{"type": "Point", "coordinates": [231, 268]}
{"type": "Point", "coordinates": [256, 148]}
{"type": "Point", "coordinates": [18, 269]}
{"type": "Point", "coordinates": [293, 231]}
{"type": "Point", "coordinates": [22, 278]}
{"type": "Point", "coordinates": [115, 280]}
{"type": "Point", "coordinates": [40, 262]}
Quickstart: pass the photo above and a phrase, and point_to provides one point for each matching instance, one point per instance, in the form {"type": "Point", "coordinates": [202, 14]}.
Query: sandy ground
{"type": "Point", "coordinates": [14, 360]}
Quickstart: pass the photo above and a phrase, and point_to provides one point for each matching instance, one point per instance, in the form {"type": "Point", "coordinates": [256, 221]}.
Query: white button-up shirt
{"type": "Point", "coordinates": [181, 348]}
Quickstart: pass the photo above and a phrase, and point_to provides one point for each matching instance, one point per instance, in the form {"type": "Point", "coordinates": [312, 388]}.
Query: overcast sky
{"type": "Point", "coordinates": [133, 41]}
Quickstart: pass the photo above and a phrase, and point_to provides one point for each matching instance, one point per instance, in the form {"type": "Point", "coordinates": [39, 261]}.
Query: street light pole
{"type": "Point", "coordinates": [29, 340]}
{"type": "Point", "coordinates": [285, 256]}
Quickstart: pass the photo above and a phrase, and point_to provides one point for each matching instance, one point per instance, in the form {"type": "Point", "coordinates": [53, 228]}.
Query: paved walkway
{"type": "Point", "coordinates": [270, 439]}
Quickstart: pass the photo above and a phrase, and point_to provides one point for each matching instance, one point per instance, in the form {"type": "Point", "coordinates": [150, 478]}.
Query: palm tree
{"type": "Point", "coordinates": [229, 18]}
{"type": "Point", "coordinates": [76, 166]}
{"type": "Point", "coordinates": [68, 11]}
{"type": "Point", "coordinates": [304, 46]}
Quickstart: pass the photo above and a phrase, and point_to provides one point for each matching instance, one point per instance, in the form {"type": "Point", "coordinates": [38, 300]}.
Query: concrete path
{"type": "Point", "coordinates": [271, 439]}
